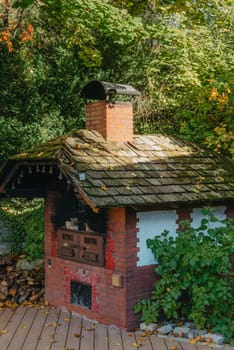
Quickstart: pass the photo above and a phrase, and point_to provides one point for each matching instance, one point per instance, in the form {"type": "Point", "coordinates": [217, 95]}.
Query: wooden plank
{"type": "Point", "coordinates": [129, 340]}
{"type": "Point", "coordinates": [74, 333]}
{"type": "Point", "coordinates": [87, 340]}
{"type": "Point", "coordinates": [172, 344]}
{"type": "Point", "coordinates": [48, 331]}
{"type": "Point", "coordinates": [11, 327]}
{"type": "Point", "coordinates": [101, 337]}
{"type": "Point", "coordinates": [22, 330]}
{"type": "Point", "coordinates": [114, 338]}
{"type": "Point", "coordinates": [61, 333]}
{"type": "Point", "coordinates": [158, 343]}
{"type": "Point", "coordinates": [187, 346]}
{"type": "Point", "coordinates": [6, 315]}
{"type": "Point", "coordinates": [144, 339]}
{"type": "Point", "coordinates": [36, 329]}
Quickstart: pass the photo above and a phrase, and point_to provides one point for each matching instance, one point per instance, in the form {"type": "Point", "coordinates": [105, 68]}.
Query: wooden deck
{"type": "Point", "coordinates": [43, 328]}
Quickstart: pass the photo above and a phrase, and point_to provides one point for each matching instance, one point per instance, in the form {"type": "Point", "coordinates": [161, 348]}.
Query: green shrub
{"type": "Point", "coordinates": [34, 241]}
{"type": "Point", "coordinates": [24, 222]}
{"type": "Point", "coordinates": [196, 277]}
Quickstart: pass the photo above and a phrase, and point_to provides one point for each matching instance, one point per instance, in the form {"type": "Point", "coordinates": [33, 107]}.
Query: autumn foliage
{"type": "Point", "coordinates": [13, 28]}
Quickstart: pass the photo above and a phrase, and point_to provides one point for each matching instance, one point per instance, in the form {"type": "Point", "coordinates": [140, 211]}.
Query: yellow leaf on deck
{"type": "Point", "coordinates": [193, 341]}
{"type": "Point", "coordinates": [24, 327]}
{"type": "Point", "coordinates": [77, 335]}
{"type": "Point", "coordinates": [142, 338]}
{"type": "Point", "coordinates": [136, 345]}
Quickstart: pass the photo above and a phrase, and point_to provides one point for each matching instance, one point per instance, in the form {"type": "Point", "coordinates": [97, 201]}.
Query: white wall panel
{"type": "Point", "coordinates": [197, 216]}
{"type": "Point", "coordinates": [151, 224]}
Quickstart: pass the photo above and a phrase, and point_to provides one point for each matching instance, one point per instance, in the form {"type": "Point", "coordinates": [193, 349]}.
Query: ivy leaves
{"type": "Point", "coordinates": [196, 276]}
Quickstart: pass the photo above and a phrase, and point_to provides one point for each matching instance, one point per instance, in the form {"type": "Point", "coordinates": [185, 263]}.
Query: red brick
{"type": "Point", "coordinates": [114, 122]}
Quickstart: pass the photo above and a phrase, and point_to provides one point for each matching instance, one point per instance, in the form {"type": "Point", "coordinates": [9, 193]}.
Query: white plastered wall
{"type": "Point", "coordinates": [149, 225]}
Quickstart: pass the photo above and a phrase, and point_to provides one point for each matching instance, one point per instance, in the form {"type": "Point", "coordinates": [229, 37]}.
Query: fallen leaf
{"type": "Point", "coordinates": [4, 331]}
{"type": "Point", "coordinates": [209, 340]}
{"type": "Point", "coordinates": [193, 341]}
{"type": "Point", "coordinates": [173, 348]}
{"type": "Point", "coordinates": [142, 338]}
{"type": "Point", "coordinates": [24, 327]}
{"type": "Point", "coordinates": [130, 334]}
{"type": "Point", "coordinates": [77, 335]}
{"type": "Point", "coordinates": [104, 188]}
{"type": "Point", "coordinates": [148, 333]}
{"type": "Point", "coordinates": [136, 345]}
{"type": "Point", "coordinates": [52, 324]}
{"type": "Point", "coordinates": [117, 344]}
{"type": "Point", "coordinates": [40, 154]}
{"type": "Point", "coordinates": [67, 319]}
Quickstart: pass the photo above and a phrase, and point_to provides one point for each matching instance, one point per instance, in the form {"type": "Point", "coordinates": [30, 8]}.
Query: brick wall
{"type": "Point", "coordinates": [114, 122]}
{"type": "Point", "coordinates": [111, 303]}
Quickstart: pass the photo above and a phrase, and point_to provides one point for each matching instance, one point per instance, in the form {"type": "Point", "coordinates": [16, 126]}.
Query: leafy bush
{"type": "Point", "coordinates": [23, 220]}
{"type": "Point", "coordinates": [34, 241]}
{"type": "Point", "coordinates": [196, 277]}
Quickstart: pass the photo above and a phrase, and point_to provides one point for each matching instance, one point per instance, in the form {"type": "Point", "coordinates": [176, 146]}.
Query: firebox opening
{"type": "Point", "coordinates": [81, 294]}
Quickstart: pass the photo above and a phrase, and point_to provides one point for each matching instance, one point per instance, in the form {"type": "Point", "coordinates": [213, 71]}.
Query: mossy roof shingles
{"type": "Point", "coordinates": [153, 169]}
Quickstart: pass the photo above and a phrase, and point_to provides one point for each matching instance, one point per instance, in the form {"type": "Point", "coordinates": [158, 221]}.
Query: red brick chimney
{"type": "Point", "coordinates": [113, 121]}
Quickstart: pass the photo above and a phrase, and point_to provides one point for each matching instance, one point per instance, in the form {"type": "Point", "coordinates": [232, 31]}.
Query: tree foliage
{"type": "Point", "coordinates": [24, 222]}
{"type": "Point", "coordinates": [178, 53]}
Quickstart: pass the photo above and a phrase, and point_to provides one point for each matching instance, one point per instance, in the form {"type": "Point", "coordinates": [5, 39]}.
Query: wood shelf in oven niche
{"type": "Point", "coordinates": [81, 246]}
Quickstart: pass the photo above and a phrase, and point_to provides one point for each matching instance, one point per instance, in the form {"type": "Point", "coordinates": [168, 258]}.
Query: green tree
{"type": "Point", "coordinates": [44, 65]}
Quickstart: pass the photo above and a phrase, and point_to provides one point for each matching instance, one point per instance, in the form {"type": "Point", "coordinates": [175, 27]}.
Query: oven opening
{"type": "Point", "coordinates": [81, 294]}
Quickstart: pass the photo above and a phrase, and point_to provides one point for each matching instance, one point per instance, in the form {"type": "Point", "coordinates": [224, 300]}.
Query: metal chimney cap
{"type": "Point", "coordinates": [101, 90]}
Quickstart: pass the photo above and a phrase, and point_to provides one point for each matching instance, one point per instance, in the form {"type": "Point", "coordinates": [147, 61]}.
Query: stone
{"type": "Point", "coordinates": [165, 329]}
{"type": "Point", "coordinates": [5, 248]}
{"type": "Point", "coordinates": [24, 265]}
{"type": "Point", "coordinates": [148, 327]}
{"type": "Point", "coordinates": [194, 333]}
{"type": "Point", "coordinates": [181, 331]}
{"type": "Point", "coordinates": [216, 338]}
{"type": "Point", "coordinates": [188, 324]}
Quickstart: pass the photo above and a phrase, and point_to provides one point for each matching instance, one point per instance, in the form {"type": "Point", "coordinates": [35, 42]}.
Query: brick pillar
{"type": "Point", "coordinates": [50, 212]}
{"type": "Point", "coordinates": [114, 122]}
{"type": "Point", "coordinates": [230, 212]}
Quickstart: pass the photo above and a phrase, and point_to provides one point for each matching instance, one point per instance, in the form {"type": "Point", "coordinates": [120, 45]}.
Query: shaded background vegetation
{"type": "Point", "coordinates": [179, 54]}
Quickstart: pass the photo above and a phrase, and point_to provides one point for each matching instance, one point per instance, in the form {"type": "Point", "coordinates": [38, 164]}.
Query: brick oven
{"type": "Point", "coordinates": [106, 191]}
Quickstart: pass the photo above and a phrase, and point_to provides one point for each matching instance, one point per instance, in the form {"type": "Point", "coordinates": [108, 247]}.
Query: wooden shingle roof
{"type": "Point", "coordinates": [151, 170]}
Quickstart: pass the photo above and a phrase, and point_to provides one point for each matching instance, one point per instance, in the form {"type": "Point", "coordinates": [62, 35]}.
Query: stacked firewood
{"type": "Point", "coordinates": [18, 287]}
